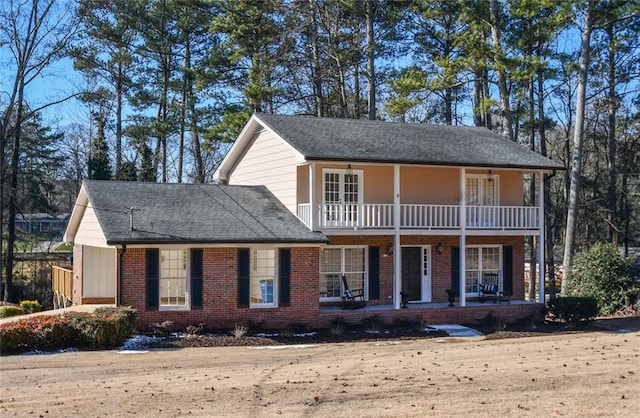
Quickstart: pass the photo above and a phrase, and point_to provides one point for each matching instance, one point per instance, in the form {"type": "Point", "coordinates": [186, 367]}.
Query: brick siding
{"type": "Point", "coordinates": [220, 285]}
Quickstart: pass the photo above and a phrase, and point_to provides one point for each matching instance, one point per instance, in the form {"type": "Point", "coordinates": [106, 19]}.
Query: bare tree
{"type": "Point", "coordinates": [36, 33]}
{"type": "Point", "coordinates": [578, 142]}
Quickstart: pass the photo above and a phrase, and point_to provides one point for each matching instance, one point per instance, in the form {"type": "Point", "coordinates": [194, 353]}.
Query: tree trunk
{"type": "Point", "coordinates": [505, 111]}
{"type": "Point", "coordinates": [13, 191]}
{"type": "Point", "coordinates": [578, 142]}
{"type": "Point", "coordinates": [119, 94]}
{"type": "Point", "coordinates": [371, 72]}
{"type": "Point", "coordinates": [315, 54]}
{"type": "Point", "coordinates": [548, 236]}
{"type": "Point", "coordinates": [612, 102]}
{"type": "Point", "coordinates": [533, 255]}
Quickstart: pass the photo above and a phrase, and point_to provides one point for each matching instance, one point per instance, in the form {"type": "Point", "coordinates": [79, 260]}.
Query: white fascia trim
{"type": "Point", "coordinates": [82, 201]}
{"type": "Point", "coordinates": [240, 144]}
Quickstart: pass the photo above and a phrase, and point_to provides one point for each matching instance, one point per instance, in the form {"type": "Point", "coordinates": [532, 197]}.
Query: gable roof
{"type": "Point", "coordinates": [355, 140]}
{"type": "Point", "coordinates": [188, 213]}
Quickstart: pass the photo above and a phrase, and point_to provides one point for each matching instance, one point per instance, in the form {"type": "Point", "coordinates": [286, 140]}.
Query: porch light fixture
{"type": "Point", "coordinates": [439, 248]}
{"type": "Point", "coordinates": [489, 176]}
{"type": "Point", "coordinates": [390, 248]}
{"type": "Point", "coordinates": [349, 171]}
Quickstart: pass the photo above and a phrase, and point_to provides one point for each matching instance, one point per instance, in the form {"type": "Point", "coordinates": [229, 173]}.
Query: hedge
{"type": "Point", "coordinates": [573, 309]}
{"type": "Point", "coordinates": [105, 328]}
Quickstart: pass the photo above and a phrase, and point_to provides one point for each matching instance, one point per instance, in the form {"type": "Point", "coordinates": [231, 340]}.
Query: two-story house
{"type": "Point", "coordinates": [402, 211]}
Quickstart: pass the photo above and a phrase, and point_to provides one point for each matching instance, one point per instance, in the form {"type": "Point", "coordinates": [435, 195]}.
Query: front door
{"type": "Point", "coordinates": [412, 272]}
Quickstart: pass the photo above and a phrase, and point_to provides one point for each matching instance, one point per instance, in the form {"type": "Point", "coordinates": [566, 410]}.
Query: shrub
{"type": "Point", "coordinates": [239, 331]}
{"type": "Point", "coordinates": [572, 309]}
{"type": "Point", "coordinates": [10, 310]}
{"type": "Point", "coordinates": [30, 306]}
{"type": "Point", "coordinates": [373, 324]}
{"type": "Point", "coordinates": [104, 328]}
{"type": "Point", "coordinates": [601, 272]}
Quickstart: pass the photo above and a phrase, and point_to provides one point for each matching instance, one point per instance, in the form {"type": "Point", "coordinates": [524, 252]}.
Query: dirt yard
{"type": "Point", "coordinates": [584, 374]}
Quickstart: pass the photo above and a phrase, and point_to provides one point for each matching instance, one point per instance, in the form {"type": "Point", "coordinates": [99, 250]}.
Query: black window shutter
{"type": "Point", "coordinates": [284, 277]}
{"type": "Point", "coordinates": [374, 273]}
{"type": "Point", "coordinates": [244, 277]}
{"type": "Point", "coordinates": [196, 278]}
{"type": "Point", "coordinates": [507, 268]}
{"type": "Point", "coordinates": [455, 270]}
{"type": "Point", "coordinates": [153, 278]}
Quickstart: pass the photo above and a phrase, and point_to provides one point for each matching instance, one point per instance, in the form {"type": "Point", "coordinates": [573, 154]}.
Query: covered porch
{"type": "Point", "coordinates": [475, 312]}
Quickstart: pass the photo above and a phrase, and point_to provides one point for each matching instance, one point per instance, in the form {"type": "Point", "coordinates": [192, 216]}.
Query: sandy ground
{"type": "Point", "coordinates": [589, 374]}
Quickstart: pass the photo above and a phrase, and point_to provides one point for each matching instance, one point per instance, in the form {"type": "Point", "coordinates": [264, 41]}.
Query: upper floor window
{"type": "Point", "coordinates": [482, 190]}
{"type": "Point", "coordinates": [341, 196]}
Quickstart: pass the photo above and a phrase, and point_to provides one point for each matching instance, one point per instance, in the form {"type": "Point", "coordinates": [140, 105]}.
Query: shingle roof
{"type": "Point", "coordinates": [194, 213]}
{"type": "Point", "coordinates": [334, 139]}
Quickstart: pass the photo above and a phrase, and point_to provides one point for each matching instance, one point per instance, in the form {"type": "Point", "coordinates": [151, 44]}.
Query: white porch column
{"type": "Point", "coordinates": [541, 241]}
{"type": "Point", "coordinates": [463, 236]}
{"type": "Point", "coordinates": [397, 260]}
{"type": "Point", "coordinates": [313, 206]}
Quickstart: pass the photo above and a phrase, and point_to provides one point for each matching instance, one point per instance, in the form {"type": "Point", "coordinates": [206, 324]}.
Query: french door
{"type": "Point", "coordinates": [482, 200]}
{"type": "Point", "coordinates": [342, 197]}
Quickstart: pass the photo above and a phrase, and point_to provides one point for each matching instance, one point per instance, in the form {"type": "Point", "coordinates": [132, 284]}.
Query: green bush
{"type": "Point", "coordinates": [30, 306]}
{"type": "Point", "coordinates": [601, 272]}
{"type": "Point", "coordinates": [10, 310]}
{"type": "Point", "coordinates": [105, 328]}
{"type": "Point", "coordinates": [572, 309]}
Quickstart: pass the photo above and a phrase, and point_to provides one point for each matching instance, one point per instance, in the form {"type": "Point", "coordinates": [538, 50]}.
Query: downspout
{"type": "Point", "coordinates": [121, 252]}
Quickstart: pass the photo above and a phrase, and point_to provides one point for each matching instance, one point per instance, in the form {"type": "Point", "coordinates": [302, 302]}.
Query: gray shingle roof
{"type": "Point", "coordinates": [194, 213]}
{"type": "Point", "coordinates": [406, 143]}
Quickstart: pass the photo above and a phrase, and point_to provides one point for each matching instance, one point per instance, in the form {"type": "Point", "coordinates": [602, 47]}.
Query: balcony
{"type": "Point", "coordinates": [428, 217]}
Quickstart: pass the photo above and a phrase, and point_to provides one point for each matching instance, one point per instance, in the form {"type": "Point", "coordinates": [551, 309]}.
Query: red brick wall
{"type": "Point", "coordinates": [440, 263]}
{"type": "Point", "coordinates": [220, 289]}
{"type": "Point", "coordinates": [220, 310]}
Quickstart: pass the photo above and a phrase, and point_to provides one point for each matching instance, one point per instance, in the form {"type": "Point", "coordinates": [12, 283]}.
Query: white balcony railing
{"type": "Point", "coordinates": [413, 216]}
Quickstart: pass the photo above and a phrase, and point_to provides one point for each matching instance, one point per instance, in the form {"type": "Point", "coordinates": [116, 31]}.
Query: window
{"type": "Point", "coordinates": [482, 190]}
{"type": "Point", "coordinates": [342, 195]}
{"type": "Point", "coordinates": [263, 278]}
{"type": "Point", "coordinates": [173, 279]}
{"type": "Point", "coordinates": [482, 199]}
{"type": "Point", "coordinates": [478, 262]}
{"type": "Point", "coordinates": [338, 261]}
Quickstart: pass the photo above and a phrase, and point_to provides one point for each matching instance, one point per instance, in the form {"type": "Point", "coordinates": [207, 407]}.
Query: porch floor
{"type": "Point", "coordinates": [411, 306]}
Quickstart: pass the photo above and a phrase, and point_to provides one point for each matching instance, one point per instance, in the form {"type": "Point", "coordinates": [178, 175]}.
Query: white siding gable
{"type": "Point", "coordinates": [89, 230]}
{"type": "Point", "coordinates": [271, 162]}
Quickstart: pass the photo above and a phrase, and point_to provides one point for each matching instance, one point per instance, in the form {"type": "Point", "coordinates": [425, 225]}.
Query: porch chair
{"type": "Point", "coordinates": [490, 287]}
{"type": "Point", "coordinates": [352, 298]}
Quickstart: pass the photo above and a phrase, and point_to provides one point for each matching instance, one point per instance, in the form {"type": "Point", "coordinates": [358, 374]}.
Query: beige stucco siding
{"type": "Point", "coordinates": [511, 188]}
{"type": "Point", "coordinates": [89, 230]}
{"type": "Point", "coordinates": [269, 161]}
{"type": "Point", "coordinates": [418, 185]}
{"type": "Point", "coordinates": [99, 272]}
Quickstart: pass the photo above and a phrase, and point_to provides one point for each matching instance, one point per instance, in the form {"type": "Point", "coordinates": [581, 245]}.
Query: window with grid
{"type": "Point", "coordinates": [173, 279]}
{"type": "Point", "coordinates": [478, 262]}
{"type": "Point", "coordinates": [338, 261]}
{"type": "Point", "coordinates": [263, 277]}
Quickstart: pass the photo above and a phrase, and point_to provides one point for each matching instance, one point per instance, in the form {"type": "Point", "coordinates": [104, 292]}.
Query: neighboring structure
{"type": "Point", "coordinates": [41, 223]}
{"type": "Point", "coordinates": [402, 210]}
